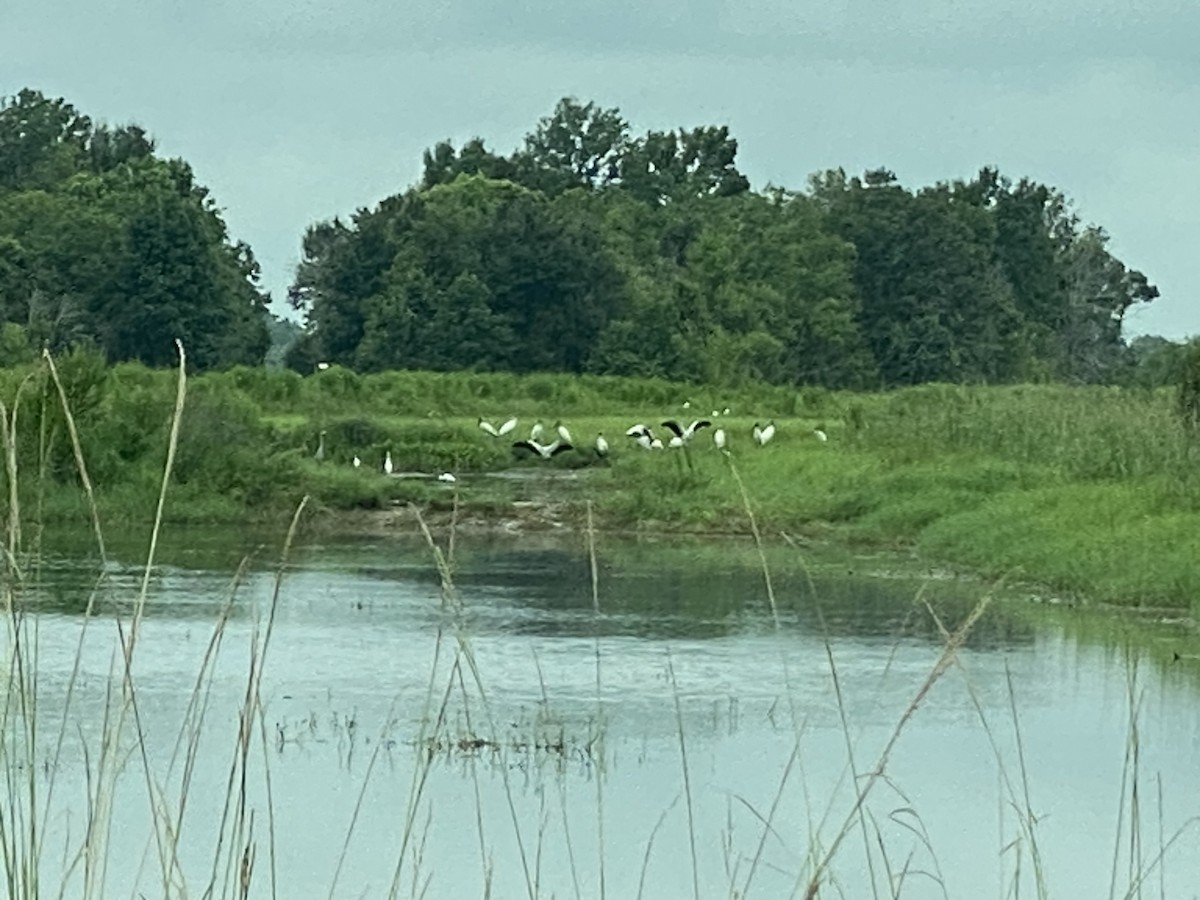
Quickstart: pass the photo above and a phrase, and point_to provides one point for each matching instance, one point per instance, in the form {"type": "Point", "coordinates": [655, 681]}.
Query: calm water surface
{"type": "Point", "coordinates": [687, 645]}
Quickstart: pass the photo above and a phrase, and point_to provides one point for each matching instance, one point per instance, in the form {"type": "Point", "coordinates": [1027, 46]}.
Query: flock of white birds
{"type": "Point", "coordinates": [642, 436]}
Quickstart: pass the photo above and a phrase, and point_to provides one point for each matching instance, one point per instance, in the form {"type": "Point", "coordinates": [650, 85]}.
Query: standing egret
{"type": "Point", "coordinates": [601, 445]}
{"type": "Point", "coordinates": [320, 454]}
{"type": "Point", "coordinates": [447, 477]}
{"type": "Point", "coordinates": [563, 434]}
{"type": "Point", "coordinates": [820, 435]}
{"type": "Point", "coordinates": [545, 451]}
{"type": "Point", "coordinates": [387, 463]}
{"type": "Point", "coordinates": [356, 461]}
{"type": "Point", "coordinates": [536, 432]}
{"type": "Point", "coordinates": [719, 438]}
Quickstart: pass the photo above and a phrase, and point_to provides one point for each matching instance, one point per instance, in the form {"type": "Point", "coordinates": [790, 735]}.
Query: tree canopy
{"type": "Point", "coordinates": [104, 243]}
{"type": "Point", "coordinates": [590, 248]}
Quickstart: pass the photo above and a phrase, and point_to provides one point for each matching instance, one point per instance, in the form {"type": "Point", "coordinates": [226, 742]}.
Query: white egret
{"type": "Point", "coordinates": [447, 477]}
{"type": "Point", "coordinates": [320, 454]}
{"type": "Point", "coordinates": [388, 468]}
{"type": "Point", "coordinates": [322, 366]}
{"type": "Point", "coordinates": [719, 438]}
{"type": "Point", "coordinates": [357, 462]}
{"type": "Point", "coordinates": [601, 445]}
{"type": "Point", "coordinates": [545, 451]}
{"type": "Point", "coordinates": [820, 435]}
{"type": "Point", "coordinates": [536, 432]}
{"type": "Point", "coordinates": [563, 434]}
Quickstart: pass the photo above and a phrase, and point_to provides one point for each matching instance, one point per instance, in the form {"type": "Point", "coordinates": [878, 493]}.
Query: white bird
{"type": "Point", "coordinates": [322, 366]}
{"type": "Point", "coordinates": [563, 434]}
{"type": "Point", "coordinates": [320, 454]}
{"type": "Point", "coordinates": [725, 411]}
{"type": "Point", "coordinates": [675, 443]}
{"type": "Point", "coordinates": [714, 414]}
{"type": "Point", "coordinates": [447, 477]}
{"type": "Point", "coordinates": [644, 441]}
{"type": "Point", "coordinates": [687, 404]}
{"type": "Point", "coordinates": [601, 445]}
{"type": "Point", "coordinates": [762, 435]}
{"type": "Point", "coordinates": [387, 463]}
{"type": "Point", "coordinates": [820, 435]}
{"type": "Point", "coordinates": [685, 433]}
{"type": "Point", "coordinates": [656, 444]}
{"type": "Point", "coordinates": [497, 432]}
{"type": "Point", "coordinates": [719, 438]}
{"type": "Point", "coordinates": [357, 462]}
{"type": "Point", "coordinates": [536, 432]}
{"type": "Point", "coordinates": [545, 451]}
{"type": "Point", "coordinates": [638, 429]}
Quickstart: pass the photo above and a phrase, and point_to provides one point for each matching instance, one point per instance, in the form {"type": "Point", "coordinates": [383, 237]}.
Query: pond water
{"type": "Point", "coordinates": [678, 742]}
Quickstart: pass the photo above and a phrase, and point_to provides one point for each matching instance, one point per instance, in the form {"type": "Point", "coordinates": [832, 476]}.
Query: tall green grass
{"type": "Point", "coordinates": [458, 696]}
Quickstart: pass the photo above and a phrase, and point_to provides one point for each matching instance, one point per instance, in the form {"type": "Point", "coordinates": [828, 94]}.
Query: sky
{"type": "Point", "coordinates": [293, 111]}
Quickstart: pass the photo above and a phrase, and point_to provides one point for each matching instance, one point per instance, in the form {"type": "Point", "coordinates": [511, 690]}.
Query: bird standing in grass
{"type": "Point", "coordinates": [601, 445]}
{"type": "Point", "coordinates": [536, 432]}
{"type": "Point", "coordinates": [356, 461]}
{"type": "Point", "coordinates": [563, 434]}
{"type": "Point", "coordinates": [387, 463]}
{"type": "Point", "coordinates": [447, 478]}
{"type": "Point", "coordinates": [319, 456]}
{"type": "Point", "coordinates": [719, 438]}
{"type": "Point", "coordinates": [545, 451]}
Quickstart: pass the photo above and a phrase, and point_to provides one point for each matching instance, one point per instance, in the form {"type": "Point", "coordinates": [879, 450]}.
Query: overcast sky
{"type": "Point", "coordinates": [293, 111]}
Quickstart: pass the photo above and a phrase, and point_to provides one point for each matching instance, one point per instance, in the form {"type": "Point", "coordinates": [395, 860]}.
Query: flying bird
{"type": "Point", "coordinates": [497, 432]}
{"type": "Point", "coordinates": [763, 434]}
{"type": "Point", "coordinates": [686, 433]}
{"type": "Point", "coordinates": [545, 451]}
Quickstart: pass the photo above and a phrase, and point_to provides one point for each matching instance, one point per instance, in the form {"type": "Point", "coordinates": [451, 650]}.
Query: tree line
{"type": "Point", "coordinates": [586, 249]}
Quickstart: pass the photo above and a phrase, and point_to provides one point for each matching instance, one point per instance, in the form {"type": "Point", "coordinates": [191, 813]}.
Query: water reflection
{"type": "Point", "coordinates": [359, 695]}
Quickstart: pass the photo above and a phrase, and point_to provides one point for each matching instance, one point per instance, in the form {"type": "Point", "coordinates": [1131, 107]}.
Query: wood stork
{"type": "Point", "coordinates": [719, 438]}
{"type": "Point", "coordinates": [685, 433]}
{"type": "Point", "coordinates": [656, 444]}
{"type": "Point", "coordinates": [763, 434]}
{"type": "Point", "coordinates": [504, 429]}
{"type": "Point", "coordinates": [563, 434]}
{"type": "Point", "coordinates": [545, 451]}
{"type": "Point", "coordinates": [388, 468]}
{"type": "Point", "coordinates": [644, 441]}
{"type": "Point", "coordinates": [601, 445]}
{"type": "Point", "coordinates": [638, 430]}
{"type": "Point", "coordinates": [675, 443]}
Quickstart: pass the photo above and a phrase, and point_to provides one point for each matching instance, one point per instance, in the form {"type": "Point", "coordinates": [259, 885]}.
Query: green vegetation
{"type": "Point", "coordinates": [1090, 490]}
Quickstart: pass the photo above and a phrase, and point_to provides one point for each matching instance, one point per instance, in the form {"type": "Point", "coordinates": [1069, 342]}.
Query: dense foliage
{"type": "Point", "coordinates": [104, 243]}
{"type": "Point", "coordinates": [591, 250]}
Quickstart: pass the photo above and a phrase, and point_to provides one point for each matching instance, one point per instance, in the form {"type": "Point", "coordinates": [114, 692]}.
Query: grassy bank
{"type": "Point", "coordinates": [1092, 491]}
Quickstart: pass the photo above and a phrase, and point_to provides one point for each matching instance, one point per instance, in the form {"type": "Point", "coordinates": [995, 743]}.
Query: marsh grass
{"type": "Point", "coordinates": [749, 490]}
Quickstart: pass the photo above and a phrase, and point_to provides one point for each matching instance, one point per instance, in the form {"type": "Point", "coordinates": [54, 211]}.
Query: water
{"type": "Point", "coordinates": [687, 645]}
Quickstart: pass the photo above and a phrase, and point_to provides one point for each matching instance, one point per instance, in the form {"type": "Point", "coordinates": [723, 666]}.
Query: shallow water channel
{"type": "Point", "coordinates": [679, 741]}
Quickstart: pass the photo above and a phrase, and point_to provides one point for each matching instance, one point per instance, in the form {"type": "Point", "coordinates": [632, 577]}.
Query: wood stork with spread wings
{"type": "Point", "coordinates": [545, 451]}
